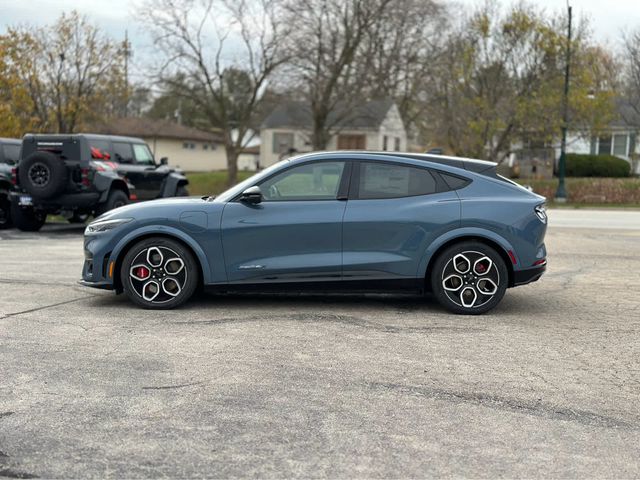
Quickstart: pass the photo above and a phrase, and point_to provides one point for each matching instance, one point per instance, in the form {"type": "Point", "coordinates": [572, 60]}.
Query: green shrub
{"type": "Point", "coordinates": [596, 166]}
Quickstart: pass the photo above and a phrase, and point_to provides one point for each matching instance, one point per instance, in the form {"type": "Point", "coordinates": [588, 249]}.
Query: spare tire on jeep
{"type": "Point", "coordinates": [43, 175]}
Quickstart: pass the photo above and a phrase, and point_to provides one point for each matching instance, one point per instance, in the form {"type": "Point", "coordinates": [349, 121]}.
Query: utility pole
{"type": "Point", "coordinates": [561, 193]}
{"type": "Point", "coordinates": [127, 53]}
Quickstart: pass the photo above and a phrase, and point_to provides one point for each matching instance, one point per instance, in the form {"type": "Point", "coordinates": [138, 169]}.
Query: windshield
{"type": "Point", "coordinates": [242, 186]}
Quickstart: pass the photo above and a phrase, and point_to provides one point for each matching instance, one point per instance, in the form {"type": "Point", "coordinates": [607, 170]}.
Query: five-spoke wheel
{"type": "Point", "coordinates": [159, 273]}
{"type": "Point", "coordinates": [469, 277]}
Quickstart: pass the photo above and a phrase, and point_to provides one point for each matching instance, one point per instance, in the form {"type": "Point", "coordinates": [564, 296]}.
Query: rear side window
{"type": "Point", "coordinates": [122, 152]}
{"type": "Point", "coordinates": [384, 180]}
{"type": "Point", "coordinates": [453, 182]}
{"type": "Point", "coordinates": [99, 149]}
{"type": "Point", "coordinates": [11, 152]}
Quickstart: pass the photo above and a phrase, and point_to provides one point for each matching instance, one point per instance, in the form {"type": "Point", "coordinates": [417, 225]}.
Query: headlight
{"type": "Point", "coordinates": [541, 212]}
{"type": "Point", "coordinates": [105, 225]}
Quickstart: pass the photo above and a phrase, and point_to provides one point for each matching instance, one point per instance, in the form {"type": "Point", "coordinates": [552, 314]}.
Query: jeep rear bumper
{"type": "Point", "coordinates": [77, 200]}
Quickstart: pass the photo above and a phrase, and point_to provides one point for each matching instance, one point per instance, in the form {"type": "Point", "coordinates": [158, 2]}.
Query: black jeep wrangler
{"type": "Point", "coordinates": [80, 175]}
{"type": "Point", "coordinates": [9, 155]}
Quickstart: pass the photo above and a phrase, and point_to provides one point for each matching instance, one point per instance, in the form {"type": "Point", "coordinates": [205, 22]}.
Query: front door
{"type": "Point", "coordinates": [295, 233]}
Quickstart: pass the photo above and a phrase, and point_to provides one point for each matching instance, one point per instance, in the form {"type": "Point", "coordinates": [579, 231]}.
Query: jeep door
{"type": "Point", "coordinates": [295, 233]}
{"type": "Point", "coordinates": [140, 174]}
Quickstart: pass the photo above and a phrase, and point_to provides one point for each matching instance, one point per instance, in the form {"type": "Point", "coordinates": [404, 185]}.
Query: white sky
{"type": "Point", "coordinates": [608, 17]}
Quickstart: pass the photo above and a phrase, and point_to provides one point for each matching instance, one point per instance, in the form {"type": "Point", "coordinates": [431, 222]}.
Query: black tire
{"type": "Point", "coordinates": [43, 175]}
{"type": "Point", "coordinates": [471, 285]}
{"type": "Point", "coordinates": [5, 212]}
{"type": "Point", "coordinates": [182, 191]}
{"type": "Point", "coordinates": [164, 295]}
{"type": "Point", "coordinates": [116, 198]}
{"type": "Point", "coordinates": [26, 218]}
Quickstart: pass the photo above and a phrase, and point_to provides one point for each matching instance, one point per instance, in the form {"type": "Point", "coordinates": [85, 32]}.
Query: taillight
{"type": "Point", "coordinates": [14, 176]}
{"type": "Point", "coordinates": [85, 176]}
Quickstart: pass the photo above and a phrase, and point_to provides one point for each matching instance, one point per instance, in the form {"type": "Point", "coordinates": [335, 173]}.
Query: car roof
{"type": "Point", "coordinates": [470, 164]}
{"type": "Point", "coordinates": [88, 136]}
{"type": "Point", "coordinates": [10, 141]}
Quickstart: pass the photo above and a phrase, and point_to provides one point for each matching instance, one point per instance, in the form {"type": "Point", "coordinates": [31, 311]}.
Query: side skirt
{"type": "Point", "coordinates": [414, 286]}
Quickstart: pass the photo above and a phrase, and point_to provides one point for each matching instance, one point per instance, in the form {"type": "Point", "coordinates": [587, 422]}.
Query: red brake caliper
{"type": "Point", "coordinates": [142, 272]}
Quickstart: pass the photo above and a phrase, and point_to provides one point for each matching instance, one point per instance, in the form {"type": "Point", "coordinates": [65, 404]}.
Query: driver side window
{"type": "Point", "coordinates": [311, 181]}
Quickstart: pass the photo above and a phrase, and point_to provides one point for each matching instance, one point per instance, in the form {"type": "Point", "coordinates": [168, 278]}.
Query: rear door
{"type": "Point", "coordinates": [295, 234]}
{"type": "Point", "coordinates": [395, 211]}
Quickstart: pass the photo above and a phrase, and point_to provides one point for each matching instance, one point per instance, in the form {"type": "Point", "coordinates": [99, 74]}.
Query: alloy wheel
{"type": "Point", "coordinates": [39, 174]}
{"type": "Point", "coordinates": [158, 274]}
{"type": "Point", "coordinates": [470, 279]}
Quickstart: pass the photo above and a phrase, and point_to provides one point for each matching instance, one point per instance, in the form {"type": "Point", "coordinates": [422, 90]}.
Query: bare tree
{"type": "Point", "coordinates": [401, 51]}
{"type": "Point", "coordinates": [324, 45]}
{"type": "Point", "coordinates": [225, 52]}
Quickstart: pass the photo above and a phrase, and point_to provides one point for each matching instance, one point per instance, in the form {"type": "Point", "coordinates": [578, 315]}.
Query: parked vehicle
{"type": "Point", "coordinates": [81, 175]}
{"type": "Point", "coordinates": [9, 155]}
{"type": "Point", "coordinates": [345, 220]}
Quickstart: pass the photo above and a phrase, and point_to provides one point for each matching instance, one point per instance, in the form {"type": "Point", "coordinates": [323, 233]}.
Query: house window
{"type": "Point", "coordinates": [397, 144]}
{"type": "Point", "coordinates": [620, 145]}
{"type": "Point", "coordinates": [205, 146]}
{"type": "Point", "coordinates": [282, 142]}
{"type": "Point", "coordinates": [385, 141]}
{"type": "Point", "coordinates": [189, 146]}
{"type": "Point", "coordinates": [604, 145]}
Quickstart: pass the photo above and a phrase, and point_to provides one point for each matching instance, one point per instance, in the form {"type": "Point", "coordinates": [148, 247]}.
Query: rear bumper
{"type": "Point", "coordinates": [77, 200]}
{"type": "Point", "coordinates": [522, 277]}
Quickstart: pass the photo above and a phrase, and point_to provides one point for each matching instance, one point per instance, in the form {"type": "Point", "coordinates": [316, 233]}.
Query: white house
{"type": "Point", "coordinates": [621, 138]}
{"type": "Point", "coordinates": [191, 149]}
{"type": "Point", "coordinates": [376, 125]}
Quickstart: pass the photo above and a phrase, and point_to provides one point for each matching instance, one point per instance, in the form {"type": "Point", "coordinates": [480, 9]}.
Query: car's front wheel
{"type": "Point", "coordinates": [469, 278]}
{"type": "Point", "coordinates": [159, 273]}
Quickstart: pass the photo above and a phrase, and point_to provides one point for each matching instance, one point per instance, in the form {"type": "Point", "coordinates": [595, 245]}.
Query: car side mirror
{"type": "Point", "coordinates": [252, 195]}
{"type": "Point", "coordinates": [164, 161]}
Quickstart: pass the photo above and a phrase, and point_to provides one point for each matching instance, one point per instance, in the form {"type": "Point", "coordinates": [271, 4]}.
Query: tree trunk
{"type": "Point", "coordinates": [232, 166]}
{"type": "Point", "coordinates": [320, 136]}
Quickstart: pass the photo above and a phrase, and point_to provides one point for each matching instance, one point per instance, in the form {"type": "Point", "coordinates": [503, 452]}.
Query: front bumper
{"type": "Point", "coordinates": [522, 277]}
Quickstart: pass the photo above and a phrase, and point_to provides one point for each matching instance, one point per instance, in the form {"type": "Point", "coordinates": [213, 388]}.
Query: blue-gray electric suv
{"type": "Point", "coordinates": [328, 221]}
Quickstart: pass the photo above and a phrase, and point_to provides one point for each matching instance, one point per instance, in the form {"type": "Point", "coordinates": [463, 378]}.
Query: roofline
{"type": "Point", "coordinates": [113, 138]}
{"type": "Point", "coordinates": [471, 164]}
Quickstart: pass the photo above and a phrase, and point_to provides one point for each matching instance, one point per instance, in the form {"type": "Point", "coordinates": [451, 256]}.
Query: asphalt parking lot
{"type": "Point", "coordinates": [548, 384]}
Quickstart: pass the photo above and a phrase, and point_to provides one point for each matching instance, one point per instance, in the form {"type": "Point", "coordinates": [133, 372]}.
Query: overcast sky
{"type": "Point", "coordinates": [608, 17]}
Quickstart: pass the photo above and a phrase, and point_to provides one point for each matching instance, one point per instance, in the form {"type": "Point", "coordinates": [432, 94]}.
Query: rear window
{"type": "Point", "coordinates": [11, 152]}
{"type": "Point", "coordinates": [65, 148]}
{"type": "Point", "coordinates": [383, 180]}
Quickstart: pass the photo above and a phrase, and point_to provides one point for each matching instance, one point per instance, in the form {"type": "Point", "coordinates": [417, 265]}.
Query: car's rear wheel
{"type": "Point", "coordinates": [27, 219]}
{"type": "Point", "coordinates": [469, 278]}
{"type": "Point", "coordinates": [159, 273]}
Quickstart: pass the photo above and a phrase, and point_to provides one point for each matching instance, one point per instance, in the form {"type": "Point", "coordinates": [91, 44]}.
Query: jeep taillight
{"type": "Point", "coordinates": [85, 176]}
{"type": "Point", "coordinates": [14, 176]}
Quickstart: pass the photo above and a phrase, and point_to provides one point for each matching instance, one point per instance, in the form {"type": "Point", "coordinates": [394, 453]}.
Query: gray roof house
{"type": "Point", "coordinates": [375, 125]}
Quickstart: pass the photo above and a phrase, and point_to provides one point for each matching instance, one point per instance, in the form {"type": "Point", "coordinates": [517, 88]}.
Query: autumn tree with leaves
{"type": "Point", "coordinates": [59, 77]}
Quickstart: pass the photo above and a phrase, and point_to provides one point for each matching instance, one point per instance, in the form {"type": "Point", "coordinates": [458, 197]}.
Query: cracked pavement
{"type": "Point", "coordinates": [546, 385]}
